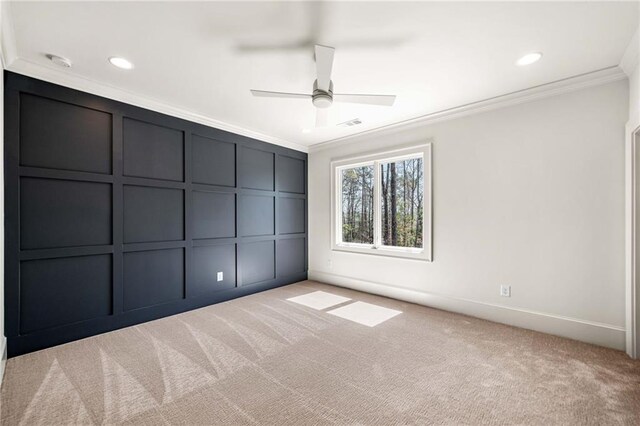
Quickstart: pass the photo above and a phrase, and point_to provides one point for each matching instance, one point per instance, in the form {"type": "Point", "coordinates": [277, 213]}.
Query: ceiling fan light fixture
{"type": "Point", "coordinates": [322, 100]}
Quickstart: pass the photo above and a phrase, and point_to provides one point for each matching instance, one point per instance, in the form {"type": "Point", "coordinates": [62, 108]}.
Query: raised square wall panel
{"type": "Point", "coordinates": [291, 175]}
{"type": "Point", "coordinates": [291, 256]}
{"type": "Point", "coordinates": [153, 277]}
{"type": "Point", "coordinates": [257, 169]}
{"type": "Point", "coordinates": [153, 214]}
{"type": "Point", "coordinates": [214, 214]}
{"type": "Point", "coordinates": [207, 263]}
{"type": "Point", "coordinates": [256, 215]}
{"type": "Point", "coordinates": [58, 135]}
{"type": "Point", "coordinates": [152, 151]}
{"type": "Point", "coordinates": [55, 292]}
{"type": "Point", "coordinates": [213, 162]}
{"type": "Point", "coordinates": [257, 261]}
{"type": "Point", "coordinates": [63, 213]}
{"type": "Point", "coordinates": [291, 215]}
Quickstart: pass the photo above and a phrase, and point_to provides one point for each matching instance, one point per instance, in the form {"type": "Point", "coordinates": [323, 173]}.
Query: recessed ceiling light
{"type": "Point", "coordinates": [120, 63]}
{"type": "Point", "coordinates": [59, 60]}
{"type": "Point", "coordinates": [306, 130]}
{"type": "Point", "coordinates": [529, 59]}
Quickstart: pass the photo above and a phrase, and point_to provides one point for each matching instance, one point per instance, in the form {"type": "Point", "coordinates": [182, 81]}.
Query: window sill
{"type": "Point", "coordinates": [414, 254]}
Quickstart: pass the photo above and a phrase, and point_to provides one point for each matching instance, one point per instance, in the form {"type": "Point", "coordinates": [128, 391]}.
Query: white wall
{"type": "Point", "coordinates": [632, 125]}
{"type": "Point", "coordinates": [530, 196]}
{"type": "Point", "coordinates": [634, 98]}
{"type": "Point", "coordinates": [3, 340]}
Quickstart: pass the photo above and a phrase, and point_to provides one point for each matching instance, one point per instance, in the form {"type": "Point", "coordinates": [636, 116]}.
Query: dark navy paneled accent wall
{"type": "Point", "coordinates": [115, 215]}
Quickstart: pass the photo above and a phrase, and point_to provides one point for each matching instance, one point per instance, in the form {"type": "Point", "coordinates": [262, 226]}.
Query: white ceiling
{"type": "Point", "coordinates": [433, 56]}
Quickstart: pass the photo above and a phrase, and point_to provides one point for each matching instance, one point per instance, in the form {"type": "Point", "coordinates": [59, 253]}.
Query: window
{"type": "Point", "coordinates": [357, 204]}
{"type": "Point", "coordinates": [382, 203]}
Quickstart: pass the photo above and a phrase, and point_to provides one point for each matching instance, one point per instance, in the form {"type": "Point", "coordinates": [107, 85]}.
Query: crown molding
{"type": "Point", "coordinates": [7, 38]}
{"type": "Point", "coordinates": [74, 81]}
{"type": "Point", "coordinates": [595, 78]}
{"type": "Point", "coordinates": [631, 55]}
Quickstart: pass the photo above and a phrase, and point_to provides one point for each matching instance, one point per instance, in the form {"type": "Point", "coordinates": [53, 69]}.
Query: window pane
{"type": "Point", "coordinates": [402, 196]}
{"type": "Point", "coordinates": [357, 205]}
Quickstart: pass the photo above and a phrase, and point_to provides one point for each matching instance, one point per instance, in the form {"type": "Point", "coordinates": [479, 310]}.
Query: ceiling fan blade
{"type": "Point", "coordinates": [269, 47]}
{"type": "Point", "coordinates": [267, 94]}
{"type": "Point", "coordinates": [371, 43]}
{"type": "Point", "coordinates": [383, 100]}
{"type": "Point", "coordinates": [324, 64]}
{"type": "Point", "coordinates": [322, 117]}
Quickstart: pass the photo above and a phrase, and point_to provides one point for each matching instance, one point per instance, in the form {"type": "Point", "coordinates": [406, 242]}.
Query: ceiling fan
{"type": "Point", "coordinates": [322, 96]}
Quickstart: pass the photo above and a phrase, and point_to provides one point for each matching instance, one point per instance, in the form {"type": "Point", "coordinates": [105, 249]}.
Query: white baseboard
{"type": "Point", "coordinates": [3, 360]}
{"type": "Point", "coordinates": [586, 331]}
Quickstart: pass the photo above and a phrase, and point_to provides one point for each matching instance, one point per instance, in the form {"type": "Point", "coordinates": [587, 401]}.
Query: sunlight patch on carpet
{"type": "Point", "coordinates": [319, 300]}
{"type": "Point", "coordinates": [365, 313]}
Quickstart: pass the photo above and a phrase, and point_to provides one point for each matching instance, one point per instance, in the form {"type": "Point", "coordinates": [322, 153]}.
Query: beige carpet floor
{"type": "Point", "coordinates": [264, 360]}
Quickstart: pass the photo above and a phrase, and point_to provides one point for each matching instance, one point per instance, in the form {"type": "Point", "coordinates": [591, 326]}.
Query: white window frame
{"type": "Point", "coordinates": [377, 248]}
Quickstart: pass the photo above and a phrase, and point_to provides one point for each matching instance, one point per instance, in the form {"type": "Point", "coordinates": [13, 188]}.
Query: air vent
{"type": "Point", "coordinates": [350, 123]}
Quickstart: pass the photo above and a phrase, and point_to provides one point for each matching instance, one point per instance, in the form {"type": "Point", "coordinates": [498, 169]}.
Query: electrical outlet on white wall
{"type": "Point", "coordinates": [505, 290]}
{"type": "Point", "coordinates": [220, 276]}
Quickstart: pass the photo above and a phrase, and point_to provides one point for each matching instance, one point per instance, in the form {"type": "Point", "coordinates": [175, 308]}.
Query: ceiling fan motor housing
{"type": "Point", "coordinates": [320, 98]}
